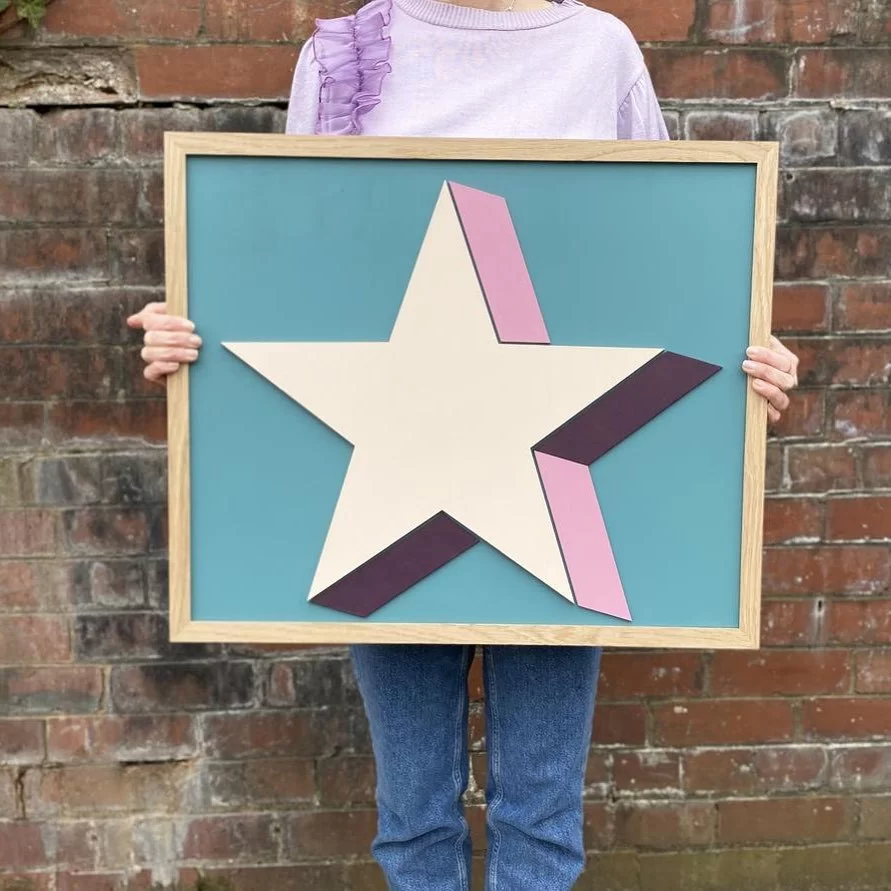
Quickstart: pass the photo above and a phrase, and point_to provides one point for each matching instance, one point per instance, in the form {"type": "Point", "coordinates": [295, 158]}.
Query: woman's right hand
{"type": "Point", "coordinates": [170, 341]}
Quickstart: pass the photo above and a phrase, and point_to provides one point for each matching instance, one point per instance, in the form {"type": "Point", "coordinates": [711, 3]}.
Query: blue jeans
{"type": "Point", "coordinates": [539, 709]}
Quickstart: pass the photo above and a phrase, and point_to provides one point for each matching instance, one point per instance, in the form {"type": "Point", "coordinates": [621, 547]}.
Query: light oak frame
{"type": "Point", "coordinates": [179, 146]}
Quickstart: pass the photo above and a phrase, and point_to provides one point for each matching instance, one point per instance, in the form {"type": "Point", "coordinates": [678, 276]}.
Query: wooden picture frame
{"type": "Point", "coordinates": [186, 626]}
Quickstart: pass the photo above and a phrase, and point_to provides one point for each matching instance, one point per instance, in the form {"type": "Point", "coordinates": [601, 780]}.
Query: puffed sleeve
{"type": "Point", "coordinates": [303, 107]}
{"type": "Point", "coordinates": [640, 116]}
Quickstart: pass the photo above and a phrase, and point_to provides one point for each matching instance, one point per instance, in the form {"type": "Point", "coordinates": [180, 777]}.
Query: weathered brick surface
{"type": "Point", "coordinates": [128, 761]}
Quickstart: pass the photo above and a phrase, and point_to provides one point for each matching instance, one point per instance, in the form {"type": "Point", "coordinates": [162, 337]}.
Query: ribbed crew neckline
{"type": "Point", "coordinates": [451, 15]}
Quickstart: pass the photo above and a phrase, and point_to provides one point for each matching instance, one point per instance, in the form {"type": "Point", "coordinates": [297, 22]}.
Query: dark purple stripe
{"type": "Point", "coordinates": [403, 564]}
{"type": "Point", "coordinates": [627, 407]}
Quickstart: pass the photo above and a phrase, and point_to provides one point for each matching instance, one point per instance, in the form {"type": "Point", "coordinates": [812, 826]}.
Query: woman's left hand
{"type": "Point", "coordinates": [774, 371]}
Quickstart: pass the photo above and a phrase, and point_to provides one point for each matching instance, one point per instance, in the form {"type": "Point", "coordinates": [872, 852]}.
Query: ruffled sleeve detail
{"type": "Point", "coordinates": [352, 53]}
{"type": "Point", "coordinates": [639, 115]}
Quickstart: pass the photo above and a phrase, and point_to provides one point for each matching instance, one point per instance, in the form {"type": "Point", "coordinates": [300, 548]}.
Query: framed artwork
{"type": "Point", "coordinates": [468, 391]}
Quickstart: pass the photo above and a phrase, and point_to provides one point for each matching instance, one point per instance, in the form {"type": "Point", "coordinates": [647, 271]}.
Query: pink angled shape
{"type": "Point", "coordinates": [500, 265]}
{"type": "Point", "coordinates": [516, 315]}
{"type": "Point", "coordinates": [582, 534]}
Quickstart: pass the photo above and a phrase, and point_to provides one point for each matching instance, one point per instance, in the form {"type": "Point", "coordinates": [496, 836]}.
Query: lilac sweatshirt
{"type": "Point", "coordinates": [431, 68]}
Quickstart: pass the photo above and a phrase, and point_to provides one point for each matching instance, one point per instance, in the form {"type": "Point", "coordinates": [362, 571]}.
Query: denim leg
{"type": "Point", "coordinates": [539, 711]}
{"type": "Point", "coordinates": [416, 701]}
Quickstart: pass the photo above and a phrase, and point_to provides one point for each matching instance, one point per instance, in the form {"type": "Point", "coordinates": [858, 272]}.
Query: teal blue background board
{"type": "Point", "coordinates": [621, 254]}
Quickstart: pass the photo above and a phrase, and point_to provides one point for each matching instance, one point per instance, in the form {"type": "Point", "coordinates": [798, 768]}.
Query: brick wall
{"type": "Point", "coordinates": [129, 760]}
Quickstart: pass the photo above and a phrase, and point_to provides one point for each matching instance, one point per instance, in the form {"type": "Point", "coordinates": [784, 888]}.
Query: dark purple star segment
{"type": "Point", "coordinates": [403, 564]}
{"type": "Point", "coordinates": [626, 408]}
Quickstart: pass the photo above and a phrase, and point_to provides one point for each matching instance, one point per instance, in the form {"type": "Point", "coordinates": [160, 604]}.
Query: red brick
{"type": "Point", "coordinates": [249, 837]}
{"type": "Point", "coordinates": [829, 570]}
{"type": "Point", "coordinates": [84, 843]}
{"type": "Point", "coordinates": [807, 136]}
{"type": "Point", "coordinates": [346, 781]}
{"type": "Point", "coordinates": [476, 730]}
{"type": "Point", "coordinates": [874, 672]}
{"type": "Point", "coordinates": [34, 253]}
{"type": "Point", "coordinates": [863, 306]}
{"type": "Point", "coordinates": [22, 845]}
{"type": "Point", "coordinates": [717, 74]}
{"type": "Point", "coordinates": [30, 639]}
{"type": "Point", "coordinates": [97, 881]}
{"type": "Point", "coordinates": [671, 21]}
{"type": "Point", "coordinates": [9, 805]}
{"type": "Point", "coordinates": [726, 771]}
{"type": "Point", "coordinates": [21, 425]}
{"type": "Point", "coordinates": [620, 725]}
{"type": "Point", "coordinates": [28, 532]}
{"type": "Point", "coordinates": [305, 877]}
{"type": "Point", "coordinates": [860, 622]}
{"type": "Point", "coordinates": [852, 519]}
{"type": "Point", "coordinates": [858, 718]}
{"type": "Point", "coordinates": [107, 789]}
{"type": "Point", "coordinates": [723, 722]}
{"type": "Point", "coordinates": [663, 826]}
{"type": "Point", "coordinates": [597, 772]}
{"type": "Point", "coordinates": [165, 687]}
{"type": "Point", "coordinates": [864, 363]}
{"type": "Point", "coordinates": [117, 20]}
{"type": "Point", "coordinates": [857, 413]}
{"type": "Point", "coordinates": [95, 530]}
{"type": "Point", "coordinates": [17, 135]}
{"type": "Point", "coordinates": [819, 252]}
{"type": "Point", "coordinates": [66, 689]}
{"type": "Point", "coordinates": [790, 769]}
{"type": "Point", "coordinates": [32, 881]}
{"type": "Point", "coordinates": [842, 73]}
{"type": "Point", "coordinates": [828, 195]}
{"type": "Point", "coordinates": [748, 772]}
{"type": "Point", "coordinates": [21, 741]}
{"type": "Point", "coordinates": [46, 373]}
{"type": "Point", "coordinates": [142, 130]}
{"type": "Point", "coordinates": [264, 783]}
{"type": "Point", "coordinates": [274, 735]}
{"type": "Point", "coordinates": [822, 468]}
{"type": "Point", "coordinates": [77, 135]}
{"type": "Point", "coordinates": [842, 362]}
{"type": "Point", "coordinates": [800, 307]}
{"type": "Point", "coordinates": [637, 675]}
{"type": "Point", "coordinates": [598, 826]}
{"type": "Point", "coordinates": [124, 738]}
{"type": "Point", "coordinates": [775, 673]}
{"type": "Point", "coordinates": [791, 623]}
{"type": "Point", "coordinates": [877, 467]}
{"type": "Point", "coordinates": [18, 586]}
{"type": "Point", "coordinates": [805, 416]}
{"type": "Point", "coordinates": [138, 257]}
{"type": "Point", "coordinates": [773, 470]}
{"type": "Point", "coordinates": [720, 125]}
{"type": "Point", "coordinates": [73, 315]}
{"type": "Point", "coordinates": [875, 818]}
{"type": "Point", "coordinates": [788, 520]}
{"type": "Point", "coordinates": [785, 820]}
{"type": "Point", "coordinates": [237, 20]}
{"type": "Point", "coordinates": [90, 197]}
{"type": "Point", "coordinates": [108, 423]}
{"type": "Point", "coordinates": [862, 769]}
{"type": "Point", "coordinates": [215, 72]}
{"type": "Point", "coordinates": [780, 21]}
{"type": "Point", "coordinates": [331, 833]}
{"type": "Point", "coordinates": [649, 772]}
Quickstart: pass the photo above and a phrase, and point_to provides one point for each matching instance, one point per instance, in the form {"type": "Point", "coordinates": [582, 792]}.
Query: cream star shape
{"type": "Point", "coordinates": [443, 417]}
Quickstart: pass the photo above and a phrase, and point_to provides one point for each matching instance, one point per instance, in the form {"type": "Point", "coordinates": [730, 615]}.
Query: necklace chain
{"type": "Point", "coordinates": [510, 6]}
